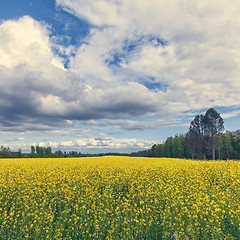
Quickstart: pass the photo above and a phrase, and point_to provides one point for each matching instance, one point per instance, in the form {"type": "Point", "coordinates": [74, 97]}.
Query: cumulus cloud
{"type": "Point", "coordinates": [36, 88]}
{"type": "Point", "coordinates": [197, 60]}
{"type": "Point", "coordinates": [95, 145]}
{"type": "Point", "coordinates": [141, 58]}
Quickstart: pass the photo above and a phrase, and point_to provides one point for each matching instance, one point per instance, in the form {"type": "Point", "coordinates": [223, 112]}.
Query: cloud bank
{"type": "Point", "coordinates": [35, 85]}
{"type": "Point", "coordinates": [89, 145]}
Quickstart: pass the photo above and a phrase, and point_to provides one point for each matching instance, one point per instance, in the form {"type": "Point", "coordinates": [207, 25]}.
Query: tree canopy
{"type": "Point", "coordinates": [203, 133]}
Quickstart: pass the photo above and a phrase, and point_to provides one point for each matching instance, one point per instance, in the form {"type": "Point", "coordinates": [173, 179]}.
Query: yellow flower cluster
{"type": "Point", "coordinates": [119, 198]}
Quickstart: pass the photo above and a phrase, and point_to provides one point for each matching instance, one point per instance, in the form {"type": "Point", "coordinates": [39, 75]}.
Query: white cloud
{"type": "Point", "coordinates": [67, 144]}
{"type": "Point", "coordinates": [45, 90]}
{"type": "Point", "coordinates": [26, 41]}
{"type": "Point", "coordinates": [200, 64]}
{"type": "Point", "coordinates": [101, 143]}
{"type": "Point", "coordinates": [230, 114]}
{"type": "Point", "coordinates": [97, 12]}
{"type": "Point", "coordinates": [87, 145]}
{"type": "Point", "coordinates": [111, 74]}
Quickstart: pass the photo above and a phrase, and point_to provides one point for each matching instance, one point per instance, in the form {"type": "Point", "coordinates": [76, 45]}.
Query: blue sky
{"type": "Point", "coordinates": [105, 76]}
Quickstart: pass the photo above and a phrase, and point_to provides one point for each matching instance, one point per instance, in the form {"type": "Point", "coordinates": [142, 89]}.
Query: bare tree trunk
{"type": "Point", "coordinates": [213, 149]}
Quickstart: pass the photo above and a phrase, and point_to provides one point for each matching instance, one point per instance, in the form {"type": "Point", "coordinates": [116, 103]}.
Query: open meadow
{"type": "Point", "coordinates": [119, 198]}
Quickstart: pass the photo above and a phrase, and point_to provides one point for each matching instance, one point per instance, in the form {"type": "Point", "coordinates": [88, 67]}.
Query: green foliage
{"type": "Point", "coordinates": [173, 148]}
{"type": "Point", "coordinates": [5, 152]}
{"type": "Point", "coordinates": [43, 152]}
{"type": "Point", "coordinates": [203, 134]}
{"type": "Point", "coordinates": [204, 140]}
{"type": "Point", "coordinates": [195, 137]}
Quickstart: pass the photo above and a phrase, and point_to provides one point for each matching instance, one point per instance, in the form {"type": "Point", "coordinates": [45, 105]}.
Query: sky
{"type": "Point", "coordinates": [115, 76]}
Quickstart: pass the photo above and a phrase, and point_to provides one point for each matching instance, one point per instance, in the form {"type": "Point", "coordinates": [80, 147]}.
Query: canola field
{"type": "Point", "coordinates": [119, 198]}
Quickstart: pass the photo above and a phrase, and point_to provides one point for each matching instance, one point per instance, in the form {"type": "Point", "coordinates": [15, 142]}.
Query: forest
{"type": "Point", "coordinates": [228, 147]}
{"type": "Point", "coordinates": [206, 139]}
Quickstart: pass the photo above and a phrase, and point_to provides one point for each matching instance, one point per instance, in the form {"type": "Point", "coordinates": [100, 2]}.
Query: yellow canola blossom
{"type": "Point", "coordinates": [119, 198]}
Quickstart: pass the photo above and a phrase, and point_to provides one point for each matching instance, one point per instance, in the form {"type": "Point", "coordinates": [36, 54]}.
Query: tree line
{"type": "Point", "coordinates": [38, 152]}
{"type": "Point", "coordinates": [228, 147]}
{"type": "Point", "coordinates": [205, 139]}
{"type": "Point", "coordinates": [46, 152]}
